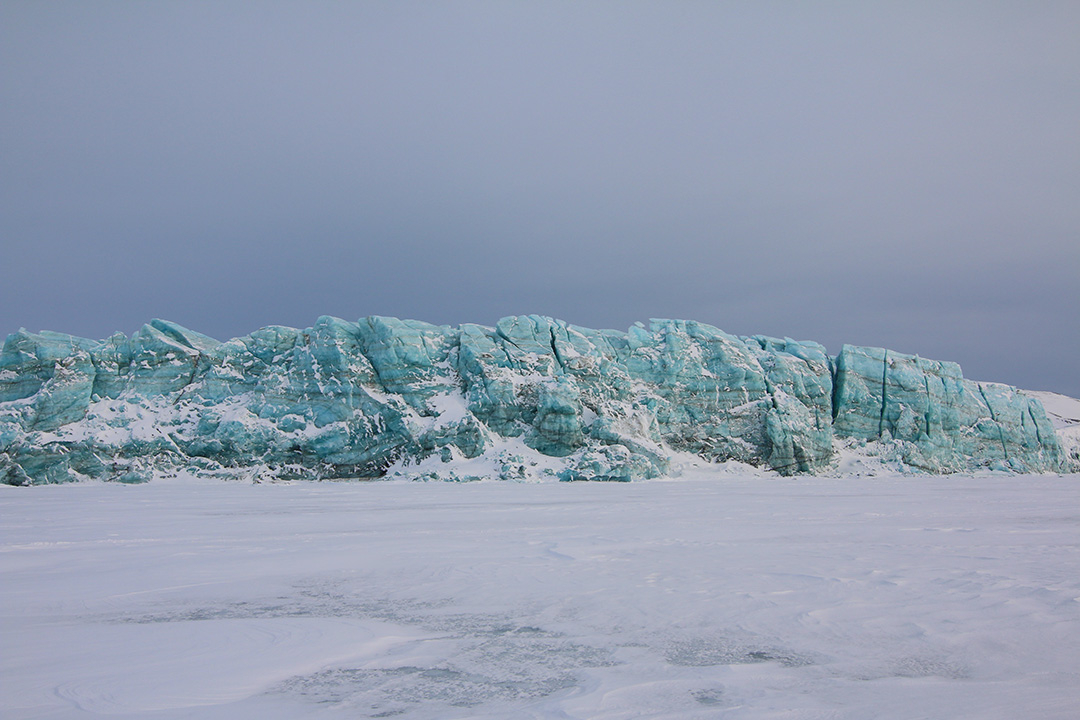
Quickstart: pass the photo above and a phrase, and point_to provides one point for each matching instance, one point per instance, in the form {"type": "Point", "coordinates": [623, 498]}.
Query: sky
{"type": "Point", "coordinates": [901, 174]}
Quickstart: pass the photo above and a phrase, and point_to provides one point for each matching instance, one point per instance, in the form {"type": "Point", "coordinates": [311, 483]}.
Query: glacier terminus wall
{"type": "Point", "coordinates": [532, 397]}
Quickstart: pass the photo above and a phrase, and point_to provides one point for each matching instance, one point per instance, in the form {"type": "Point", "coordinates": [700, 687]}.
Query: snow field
{"type": "Point", "coordinates": [713, 596]}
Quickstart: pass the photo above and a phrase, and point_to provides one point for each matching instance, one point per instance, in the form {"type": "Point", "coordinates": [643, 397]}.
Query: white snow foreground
{"type": "Point", "coordinates": [717, 595]}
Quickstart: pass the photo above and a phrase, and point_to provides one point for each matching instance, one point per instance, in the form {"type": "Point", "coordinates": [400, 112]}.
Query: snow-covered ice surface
{"type": "Point", "coordinates": [713, 596]}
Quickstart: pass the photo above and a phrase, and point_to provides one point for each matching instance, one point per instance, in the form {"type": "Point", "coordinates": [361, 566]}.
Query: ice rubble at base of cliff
{"type": "Point", "coordinates": [531, 399]}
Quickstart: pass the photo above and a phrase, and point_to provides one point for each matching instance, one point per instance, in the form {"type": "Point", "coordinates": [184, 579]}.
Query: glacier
{"type": "Point", "coordinates": [533, 398]}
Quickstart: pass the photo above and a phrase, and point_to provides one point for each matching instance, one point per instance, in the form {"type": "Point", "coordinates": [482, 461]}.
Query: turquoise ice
{"type": "Point", "coordinates": [356, 399]}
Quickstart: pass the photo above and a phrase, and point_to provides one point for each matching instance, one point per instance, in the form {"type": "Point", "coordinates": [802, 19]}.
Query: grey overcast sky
{"type": "Point", "coordinates": [900, 174]}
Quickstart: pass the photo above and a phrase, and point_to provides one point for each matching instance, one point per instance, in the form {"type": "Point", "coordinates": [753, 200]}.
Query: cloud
{"type": "Point", "coordinates": [900, 174]}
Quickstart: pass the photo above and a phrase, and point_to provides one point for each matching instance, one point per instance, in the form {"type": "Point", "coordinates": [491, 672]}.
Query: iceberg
{"type": "Point", "coordinates": [531, 398]}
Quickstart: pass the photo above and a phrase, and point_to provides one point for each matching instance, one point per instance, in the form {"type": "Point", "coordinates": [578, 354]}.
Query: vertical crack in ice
{"type": "Point", "coordinates": [1001, 435]}
{"type": "Point", "coordinates": [555, 350]}
{"type": "Point", "coordinates": [834, 396]}
{"type": "Point", "coordinates": [769, 388]}
{"type": "Point", "coordinates": [374, 368]}
{"type": "Point", "coordinates": [1035, 422]}
{"type": "Point", "coordinates": [509, 358]}
{"type": "Point", "coordinates": [499, 334]}
{"type": "Point", "coordinates": [884, 396]}
{"type": "Point", "coordinates": [191, 378]}
{"type": "Point", "coordinates": [926, 413]}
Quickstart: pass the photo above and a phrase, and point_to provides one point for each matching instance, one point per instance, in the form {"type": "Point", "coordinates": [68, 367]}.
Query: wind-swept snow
{"type": "Point", "coordinates": [718, 595]}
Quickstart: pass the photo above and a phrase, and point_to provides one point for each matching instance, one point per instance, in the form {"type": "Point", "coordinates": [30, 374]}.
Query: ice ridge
{"type": "Point", "coordinates": [533, 397]}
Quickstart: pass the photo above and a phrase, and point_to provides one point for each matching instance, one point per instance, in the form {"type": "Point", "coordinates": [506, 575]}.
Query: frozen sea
{"type": "Point", "coordinates": [711, 596]}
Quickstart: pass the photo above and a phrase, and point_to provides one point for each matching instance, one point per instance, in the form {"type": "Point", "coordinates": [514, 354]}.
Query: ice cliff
{"type": "Point", "coordinates": [531, 397]}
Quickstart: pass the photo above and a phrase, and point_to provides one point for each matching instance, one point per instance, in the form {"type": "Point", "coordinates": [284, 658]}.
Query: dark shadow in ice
{"type": "Point", "coordinates": [230, 611]}
{"type": "Point", "coordinates": [383, 692]}
{"type": "Point", "coordinates": [706, 652]}
{"type": "Point", "coordinates": [492, 660]}
{"type": "Point", "coordinates": [711, 697]}
{"type": "Point", "coordinates": [914, 666]}
{"type": "Point", "coordinates": [923, 667]}
{"type": "Point", "coordinates": [480, 657]}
